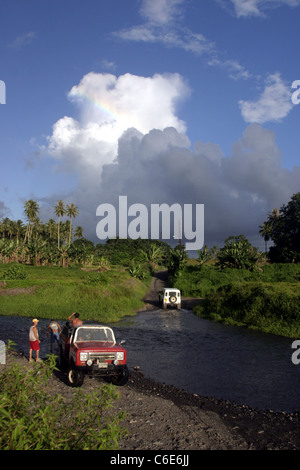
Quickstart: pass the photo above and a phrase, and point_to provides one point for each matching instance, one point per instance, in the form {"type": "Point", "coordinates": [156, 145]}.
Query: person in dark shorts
{"type": "Point", "coordinates": [54, 329]}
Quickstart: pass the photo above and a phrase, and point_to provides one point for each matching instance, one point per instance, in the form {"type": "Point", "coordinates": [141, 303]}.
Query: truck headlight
{"type": "Point", "coordinates": [120, 356]}
{"type": "Point", "coordinates": [83, 356]}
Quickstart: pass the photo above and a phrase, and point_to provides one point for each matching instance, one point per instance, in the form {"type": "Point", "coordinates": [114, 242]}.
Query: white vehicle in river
{"type": "Point", "coordinates": [170, 297]}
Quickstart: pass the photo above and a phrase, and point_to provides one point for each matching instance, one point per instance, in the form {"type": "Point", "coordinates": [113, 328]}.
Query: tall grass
{"type": "Point", "coordinates": [104, 296]}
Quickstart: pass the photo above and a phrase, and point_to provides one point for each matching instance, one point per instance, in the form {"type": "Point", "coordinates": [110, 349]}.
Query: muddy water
{"type": "Point", "coordinates": [198, 355]}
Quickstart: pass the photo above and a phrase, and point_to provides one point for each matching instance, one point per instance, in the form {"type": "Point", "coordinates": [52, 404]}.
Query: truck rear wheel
{"type": "Point", "coordinates": [61, 359]}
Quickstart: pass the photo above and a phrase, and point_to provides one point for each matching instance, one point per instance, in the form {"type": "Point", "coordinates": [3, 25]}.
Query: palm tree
{"type": "Point", "coordinates": [31, 209]}
{"type": "Point", "coordinates": [64, 232]}
{"type": "Point", "coordinates": [266, 232]}
{"type": "Point", "coordinates": [51, 228]}
{"type": "Point", "coordinates": [18, 229]}
{"type": "Point", "coordinates": [78, 232]}
{"type": "Point", "coordinates": [5, 223]}
{"type": "Point", "coordinates": [60, 212]}
{"type": "Point", "coordinates": [72, 211]}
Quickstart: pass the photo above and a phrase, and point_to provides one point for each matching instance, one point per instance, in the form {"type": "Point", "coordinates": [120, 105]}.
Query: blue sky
{"type": "Point", "coordinates": [161, 100]}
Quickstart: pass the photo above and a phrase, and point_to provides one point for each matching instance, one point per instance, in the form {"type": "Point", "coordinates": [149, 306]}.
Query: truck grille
{"type": "Point", "coordinates": [102, 357]}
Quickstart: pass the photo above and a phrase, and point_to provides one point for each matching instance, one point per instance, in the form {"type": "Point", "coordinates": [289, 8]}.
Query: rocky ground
{"type": "Point", "coordinates": [162, 417]}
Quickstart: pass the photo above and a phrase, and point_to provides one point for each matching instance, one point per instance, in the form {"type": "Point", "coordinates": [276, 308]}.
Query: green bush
{"type": "Point", "coordinates": [267, 306]}
{"type": "Point", "coordinates": [15, 272]}
{"type": "Point", "coordinates": [98, 278]}
{"type": "Point", "coordinates": [33, 419]}
{"type": "Point", "coordinates": [199, 281]}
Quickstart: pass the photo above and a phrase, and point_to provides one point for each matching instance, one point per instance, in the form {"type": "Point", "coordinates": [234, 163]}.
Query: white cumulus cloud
{"type": "Point", "coordinates": [138, 147]}
{"type": "Point", "coordinates": [109, 105]}
{"type": "Point", "coordinates": [161, 11]}
{"type": "Point", "coordinates": [273, 104]}
{"type": "Point", "coordinates": [245, 8]}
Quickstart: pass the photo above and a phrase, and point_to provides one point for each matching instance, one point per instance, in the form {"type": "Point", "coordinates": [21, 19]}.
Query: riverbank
{"type": "Point", "coordinates": [162, 417]}
{"type": "Point", "coordinates": [266, 299]}
{"type": "Point", "coordinates": [98, 294]}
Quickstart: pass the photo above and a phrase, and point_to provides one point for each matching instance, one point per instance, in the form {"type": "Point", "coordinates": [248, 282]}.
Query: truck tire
{"type": "Point", "coordinates": [61, 359]}
{"type": "Point", "coordinates": [75, 377]}
{"type": "Point", "coordinates": [122, 378]}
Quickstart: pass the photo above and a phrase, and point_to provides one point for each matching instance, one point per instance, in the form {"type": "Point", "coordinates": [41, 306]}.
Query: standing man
{"type": "Point", "coordinates": [34, 342]}
{"type": "Point", "coordinates": [75, 321]}
{"type": "Point", "coordinates": [55, 330]}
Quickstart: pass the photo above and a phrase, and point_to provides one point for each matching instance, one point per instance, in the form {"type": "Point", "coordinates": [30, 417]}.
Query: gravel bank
{"type": "Point", "coordinates": [163, 417]}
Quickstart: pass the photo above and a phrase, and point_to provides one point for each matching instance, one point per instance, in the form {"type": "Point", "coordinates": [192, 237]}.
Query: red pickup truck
{"type": "Point", "coordinates": [92, 350]}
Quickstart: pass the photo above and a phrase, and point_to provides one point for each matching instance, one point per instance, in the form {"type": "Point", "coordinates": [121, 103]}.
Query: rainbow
{"type": "Point", "coordinates": [115, 115]}
{"type": "Point", "coordinates": [104, 106]}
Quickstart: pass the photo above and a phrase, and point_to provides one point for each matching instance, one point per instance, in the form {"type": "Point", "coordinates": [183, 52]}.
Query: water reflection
{"type": "Point", "coordinates": [210, 359]}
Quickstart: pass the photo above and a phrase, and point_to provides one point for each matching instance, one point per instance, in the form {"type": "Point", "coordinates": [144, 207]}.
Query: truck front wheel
{"type": "Point", "coordinates": [75, 377]}
{"type": "Point", "coordinates": [122, 378]}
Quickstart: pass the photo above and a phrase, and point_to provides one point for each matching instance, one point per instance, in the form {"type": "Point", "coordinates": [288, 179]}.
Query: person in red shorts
{"type": "Point", "coordinates": [34, 342]}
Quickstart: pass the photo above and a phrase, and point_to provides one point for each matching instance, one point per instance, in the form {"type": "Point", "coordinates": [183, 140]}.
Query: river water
{"type": "Point", "coordinates": [198, 355]}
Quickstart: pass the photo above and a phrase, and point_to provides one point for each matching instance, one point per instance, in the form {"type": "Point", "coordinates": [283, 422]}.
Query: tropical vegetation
{"type": "Point", "coordinates": [33, 418]}
{"type": "Point", "coordinates": [239, 283]}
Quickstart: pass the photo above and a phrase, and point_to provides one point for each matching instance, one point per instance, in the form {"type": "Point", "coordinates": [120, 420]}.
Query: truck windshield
{"type": "Point", "coordinates": [94, 334]}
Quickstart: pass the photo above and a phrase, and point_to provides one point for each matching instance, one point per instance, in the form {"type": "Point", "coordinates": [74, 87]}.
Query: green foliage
{"type": "Point", "coordinates": [15, 272]}
{"type": "Point", "coordinates": [238, 253]}
{"type": "Point", "coordinates": [203, 255]}
{"type": "Point", "coordinates": [33, 419]}
{"type": "Point", "coordinates": [267, 298]}
{"type": "Point", "coordinates": [98, 278]}
{"type": "Point", "coordinates": [137, 270]}
{"type": "Point", "coordinates": [201, 281]}
{"type": "Point", "coordinates": [125, 251]}
{"type": "Point", "coordinates": [283, 227]}
{"type": "Point", "coordinates": [270, 307]}
{"type": "Point", "coordinates": [176, 261]}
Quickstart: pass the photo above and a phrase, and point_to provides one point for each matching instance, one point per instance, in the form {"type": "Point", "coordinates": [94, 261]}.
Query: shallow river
{"type": "Point", "coordinates": [200, 356]}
